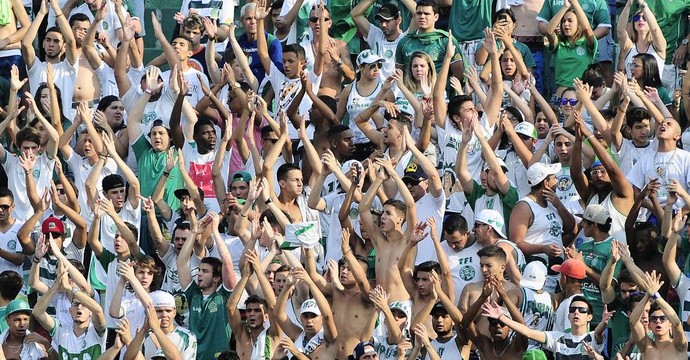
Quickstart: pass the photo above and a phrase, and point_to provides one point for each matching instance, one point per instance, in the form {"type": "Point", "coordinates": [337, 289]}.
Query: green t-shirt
{"type": "Point", "coordinates": [664, 95]}
{"type": "Point", "coordinates": [669, 15]}
{"type": "Point", "coordinates": [508, 200]}
{"type": "Point", "coordinates": [596, 255]}
{"type": "Point", "coordinates": [469, 18]}
{"type": "Point", "coordinates": [572, 60]}
{"type": "Point", "coordinates": [597, 11]}
{"type": "Point", "coordinates": [154, 163]}
{"type": "Point", "coordinates": [208, 319]}
{"type": "Point", "coordinates": [525, 52]}
{"type": "Point", "coordinates": [620, 329]}
{"type": "Point", "coordinates": [432, 43]}
{"type": "Point", "coordinates": [3, 321]}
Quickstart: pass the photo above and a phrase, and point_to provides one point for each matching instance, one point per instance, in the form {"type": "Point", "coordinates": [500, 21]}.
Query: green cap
{"type": "Point", "coordinates": [534, 354]}
{"type": "Point", "coordinates": [17, 305]}
{"type": "Point", "coordinates": [241, 176]}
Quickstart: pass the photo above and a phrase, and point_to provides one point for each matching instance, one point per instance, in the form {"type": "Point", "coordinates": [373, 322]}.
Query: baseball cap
{"type": "Point", "coordinates": [534, 354]}
{"type": "Point", "coordinates": [388, 12]}
{"type": "Point", "coordinates": [368, 57]}
{"type": "Point", "coordinates": [362, 349]}
{"type": "Point", "coordinates": [179, 193]}
{"type": "Point", "coordinates": [17, 305]}
{"type": "Point", "coordinates": [112, 181]}
{"type": "Point", "coordinates": [53, 225]}
{"type": "Point", "coordinates": [534, 275]}
{"type": "Point", "coordinates": [500, 162]}
{"type": "Point", "coordinates": [595, 164]}
{"type": "Point", "coordinates": [492, 218]}
{"type": "Point", "coordinates": [573, 268]}
{"type": "Point", "coordinates": [309, 306]}
{"type": "Point", "coordinates": [414, 172]}
{"type": "Point", "coordinates": [538, 172]}
{"type": "Point", "coordinates": [162, 299]}
{"type": "Point", "coordinates": [241, 176]}
{"type": "Point", "coordinates": [348, 165]}
{"type": "Point", "coordinates": [527, 129]}
{"type": "Point", "coordinates": [438, 307]}
{"type": "Point", "coordinates": [596, 214]}
{"type": "Point", "coordinates": [400, 306]}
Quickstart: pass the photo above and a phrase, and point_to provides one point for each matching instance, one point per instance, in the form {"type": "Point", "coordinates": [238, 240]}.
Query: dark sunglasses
{"type": "Point", "coordinates": [572, 102]}
{"type": "Point", "coordinates": [409, 182]}
{"type": "Point", "coordinates": [638, 17]}
{"type": "Point", "coordinates": [654, 318]}
{"type": "Point", "coordinates": [376, 65]}
{"type": "Point", "coordinates": [273, 141]}
{"type": "Point", "coordinates": [315, 19]}
{"type": "Point", "coordinates": [5, 207]}
{"type": "Point", "coordinates": [55, 234]}
{"type": "Point", "coordinates": [580, 309]}
{"type": "Point", "coordinates": [496, 322]}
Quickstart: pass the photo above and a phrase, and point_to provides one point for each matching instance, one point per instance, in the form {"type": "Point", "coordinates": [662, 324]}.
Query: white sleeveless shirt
{"type": "Point", "coordinates": [546, 227]}
{"type": "Point", "coordinates": [356, 103]}
{"type": "Point", "coordinates": [651, 51]}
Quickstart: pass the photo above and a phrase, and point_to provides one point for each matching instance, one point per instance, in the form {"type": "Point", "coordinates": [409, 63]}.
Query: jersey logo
{"type": "Point", "coordinates": [467, 273]}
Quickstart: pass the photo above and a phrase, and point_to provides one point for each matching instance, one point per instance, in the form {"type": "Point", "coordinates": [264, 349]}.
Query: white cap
{"type": "Point", "coordinates": [500, 162]}
{"type": "Point", "coordinates": [401, 306]}
{"type": "Point", "coordinates": [348, 165]}
{"type": "Point", "coordinates": [538, 172]}
{"type": "Point", "coordinates": [534, 275]}
{"type": "Point", "coordinates": [162, 299]}
{"type": "Point", "coordinates": [527, 129]}
{"type": "Point", "coordinates": [368, 57]}
{"type": "Point", "coordinates": [309, 306]}
{"type": "Point", "coordinates": [492, 218]}
{"type": "Point", "coordinates": [596, 214]}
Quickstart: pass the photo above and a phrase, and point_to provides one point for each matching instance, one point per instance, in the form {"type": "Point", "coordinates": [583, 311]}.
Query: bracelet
{"type": "Point", "coordinates": [58, 15]}
{"type": "Point", "coordinates": [36, 260]}
{"type": "Point", "coordinates": [268, 201]}
{"type": "Point", "coordinates": [243, 215]}
{"type": "Point", "coordinates": [656, 295]}
{"type": "Point", "coordinates": [590, 137]}
{"type": "Point", "coordinates": [166, 173]}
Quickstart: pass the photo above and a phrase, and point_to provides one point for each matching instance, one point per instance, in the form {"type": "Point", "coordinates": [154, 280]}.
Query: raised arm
{"type": "Point", "coordinates": [379, 297]}
{"type": "Point", "coordinates": [583, 22]}
{"type": "Point", "coordinates": [27, 43]}
{"type": "Point", "coordinates": [71, 51]}
{"type": "Point", "coordinates": [261, 42]}
{"type": "Point", "coordinates": [170, 54]}
{"type": "Point", "coordinates": [492, 310]}
{"type": "Point", "coordinates": [53, 136]}
{"type": "Point", "coordinates": [555, 23]}
{"type": "Point", "coordinates": [357, 271]}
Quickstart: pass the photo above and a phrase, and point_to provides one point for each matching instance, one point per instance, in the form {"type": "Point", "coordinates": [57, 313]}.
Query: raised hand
{"type": "Point", "coordinates": [419, 233]}
{"type": "Point", "coordinates": [379, 297]}
{"type": "Point", "coordinates": [123, 331]}
{"type": "Point", "coordinates": [125, 270]}
{"type": "Point", "coordinates": [27, 160]}
{"type": "Point", "coordinates": [490, 42]}
{"type": "Point", "coordinates": [491, 310]}
{"type": "Point", "coordinates": [210, 27]}
{"type": "Point", "coordinates": [15, 83]}
{"type": "Point", "coordinates": [334, 273]}
{"type": "Point", "coordinates": [152, 74]}
{"type": "Point", "coordinates": [607, 315]}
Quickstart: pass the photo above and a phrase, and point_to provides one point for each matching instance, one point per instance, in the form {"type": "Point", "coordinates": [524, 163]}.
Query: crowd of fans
{"type": "Point", "coordinates": [441, 194]}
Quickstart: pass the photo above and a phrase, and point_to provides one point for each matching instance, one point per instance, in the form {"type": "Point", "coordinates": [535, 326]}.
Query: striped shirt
{"type": "Point", "coordinates": [567, 346]}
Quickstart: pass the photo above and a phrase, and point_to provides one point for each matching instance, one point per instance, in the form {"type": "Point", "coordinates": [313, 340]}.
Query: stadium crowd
{"type": "Point", "coordinates": [333, 180]}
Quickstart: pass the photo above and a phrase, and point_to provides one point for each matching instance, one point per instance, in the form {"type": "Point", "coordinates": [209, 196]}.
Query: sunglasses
{"type": "Point", "coordinates": [411, 182]}
{"type": "Point", "coordinates": [5, 207]}
{"type": "Point", "coordinates": [598, 171]}
{"type": "Point", "coordinates": [376, 65]}
{"type": "Point", "coordinates": [580, 309]}
{"type": "Point", "coordinates": [315, 19]}
{"type": "Point", "coordinates": [273, 141]}
{"type": "Point", "coordinates": [572, 102]}
{"type": "Point", "coordinates": [60, 191]}
{"type": "Point", "coordinates": [638, 17]}
{"type": "Point", "coordinates": [496, 322]}
{"type": "Point", "coordinates": [655, 318]}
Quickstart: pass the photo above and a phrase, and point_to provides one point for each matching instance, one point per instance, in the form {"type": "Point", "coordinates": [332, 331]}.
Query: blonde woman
{"type": "Point", "coordinates": [641, 36]}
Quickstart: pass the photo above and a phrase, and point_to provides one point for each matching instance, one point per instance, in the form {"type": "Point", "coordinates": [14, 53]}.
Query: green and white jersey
{"type": "Point", "coordinates": [209, 320]}
{"type": "Point", "coordinates": [464, 266]}
{"type": "Point", "coordinates": [88, 346]}
{"type": "Point", "coordinates": [596, 255]}
{"type": "Point", "coordinates": [183, 339]}
{"type": "Point", "coordinates": [469, 18]}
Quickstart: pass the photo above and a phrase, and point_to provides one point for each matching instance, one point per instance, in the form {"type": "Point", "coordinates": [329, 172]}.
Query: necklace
{"type": "Point", "coordinates": [14, 348]}
{"type": "Point", "coordinates": [493, 348]}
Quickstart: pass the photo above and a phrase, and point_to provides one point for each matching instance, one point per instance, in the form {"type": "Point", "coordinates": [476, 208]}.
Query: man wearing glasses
{"type": "Point", "coordinates": [563, 345]}
{"type": "Point", "coordinates": [11, 256]}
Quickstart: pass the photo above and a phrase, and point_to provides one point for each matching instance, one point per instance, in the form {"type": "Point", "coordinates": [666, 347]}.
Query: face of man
{"type": "Point", "coordinates": [659, 324]}
{"type": "Point", "coordinates": [194, 34]}
{"type": "Point", "coordinates": [160, 139]}
{"type": "Point", "coordinates": [390, 218]}
{"type": "Point", "coordinates": [6, 208]}
{"type": "Point", "coordinates": [205, 278]}
{"type": "Point", "coordinates": [239, 189]}
{"type": "Point", "coordinates": [498, 330]}
{"type": "Point", "coordinates": [389, 27]}
{"type": "Point", "coordinates": [79, 29]}
{"type": "Point", "coordinates": [423, 282]}
{"type": "Point", "coordinates": [425, 17]}
{"type": "Point", "coordinates": [80, 314]}
{"type": "Point", "coordinates": [343, 145]}
{"type": "Point", "coordinates": [292, 64]}
{"type": "Point", "coordinates": [417, 188]}
{"type": "Point", "coordinates": [166, 315]}
{"type": "Point", "coordinates": [179, 238]}
{"type": "Point", "coordinates": [579, 314]}
{"type": "Point", "coordinates": [280, 280]}
{"type": "Point", "coordinates": [442, 323]}
{"type": "Point", "coordinates": [292, 185]}
{"type": "Point", "coordinates": [117, 196]}
{"type": "Point", "coordinates": [206, 138]}
{"type": "Point", "coordinates": [311, 323]}
{"type": "Point", "coordinates": [457, 240]}
{"type": "Point", "coordinates": [18, 324]}
{"type": "Point", "coordinates": [491, 266]}
{"type": "Point", "coordinates": [627, 289]}
{"type": "Point", "coordinates": [182, 48]}
{"type": "Point", "coordinates": [53, 44]}
{"type": "Point", "coordinates": [249, 22]}
{"type": "Point", "coordinates": [145, 276]}
{"type": "Point", "coordinates": [256, 316]}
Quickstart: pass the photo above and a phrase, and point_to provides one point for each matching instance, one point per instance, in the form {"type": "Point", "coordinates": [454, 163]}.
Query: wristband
{"type": "Point", "coordinates": [166, 173]}
{"type": "Point", "coordinates": [268, 201]}
{"type": "Point", "coordinates": [36, 260]}
{"type": "Point", "coordinates": [656, 295]}
{"type": "Point", "coordinates": [74, 291]}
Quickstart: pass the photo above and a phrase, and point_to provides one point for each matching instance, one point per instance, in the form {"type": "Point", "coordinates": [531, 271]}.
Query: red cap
{"type": "Point", "coordinates": [53, 225]}
{"type": "Point", "coordinates": [573, 268]}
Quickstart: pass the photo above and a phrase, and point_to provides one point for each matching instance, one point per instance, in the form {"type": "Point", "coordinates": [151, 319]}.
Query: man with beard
{"type": "Point", "coordinates": [351, 308]}
{"type": "Point", "coordinates": [562, 345]}
{"type": "Point", "coordinates": [607, 184]}
{"type": "Point", "coordinates": [253, 340]}
{"type": "Point", "coordinates": [17, 341]}
{"type": "Point", "coordinates": [539, 220]}
{"type": "Point", "coordinates": [58, 43]}
{"type": "Point", "coordinates": [448, 344]}
{"type": "Point", "coordinates": [668, 340]}
{"type": "Point", "coordinates": [86, 337]}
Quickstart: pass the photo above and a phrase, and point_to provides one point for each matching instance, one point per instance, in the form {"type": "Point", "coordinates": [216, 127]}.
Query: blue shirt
{"type": "Point", "coordinates": [275, 52]}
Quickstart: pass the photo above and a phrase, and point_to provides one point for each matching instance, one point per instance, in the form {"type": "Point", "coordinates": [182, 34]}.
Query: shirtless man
{"type": "Point", "coordinates": [389, 239]}
{"type": "Point", "coordinates": [492, 261]}
{"type": "Point", "coordinates": [10, 37]}
{"type": "Point", "coordinates": [353, 313]}
{"type": "Point", "coordinates": [663, 322]}
{"type": "Point", "coordinates": [337, 67]}
{"type": "Point", "coordinates": [253, 338]}
{"type": "Point", "coordinates": [87, 87]}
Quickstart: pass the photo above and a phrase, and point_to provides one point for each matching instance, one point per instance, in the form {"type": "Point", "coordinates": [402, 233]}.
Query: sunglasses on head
{"type": "Point", "coordinates": [572, 102]}
{"type": "Point", "coordinates": [655, 318]}
{"type": "Point", "coordinates": [315, 19]}
{"type": "Point", "coordinates": [580, 309]}
{"type": "Point", "coordinates": [638, 17]}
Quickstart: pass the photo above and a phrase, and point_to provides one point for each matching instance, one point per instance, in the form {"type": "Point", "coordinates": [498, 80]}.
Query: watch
{"type": "Point", "coordinates": [236, 85]}
{"type": "Point", "coordinates": [685, 41]}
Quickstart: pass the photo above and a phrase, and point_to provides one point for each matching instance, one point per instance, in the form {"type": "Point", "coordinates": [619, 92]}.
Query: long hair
{"type": "Point", "coordinates": [648, 38]}
{"type": "Point", "coordinates": [409, 80]}
{"type": "Point", "coordinates": [39, 105]}
{"type": "Point", "coordinates": [578, 33]}
{"type": "Point", "coordinates": [650, 77]}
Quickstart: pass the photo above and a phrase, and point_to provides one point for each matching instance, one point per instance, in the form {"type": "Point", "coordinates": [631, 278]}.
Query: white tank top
{"type": "Point", "coordinates": [356, 103]}
{"type": "Point", "coordinates": [447, 350]}
{"type": "Point", "coordinates": [617, 219]}
{"type": "Point", "coordinates": [538, 311]}
{"type": "Point", "coordinates": [546, 227]}
{"type": "Point", "coordinates": [651, 51]}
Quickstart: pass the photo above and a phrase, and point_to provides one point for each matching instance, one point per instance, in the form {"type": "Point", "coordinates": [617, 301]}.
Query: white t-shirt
{"type": "Point", "coordinates": [199, 166]}
{"type": "Point", "coordinates": [449, 140]}
{"type": "Point", "coordinates": [81, 169]}
{"type": "Point", "coordinates": [561, 322]}
{"type": "Point", "coordinates": [9, 243]}
{"type": "Point", "coordinates": [566, 345]}
{"type": "Point", "coordinates": [195, 94]}
{"type": "Point", "coordinates": [464, 266]}
{"type": "Point", "coordinates": [429, 206]}
{"type": "Point", "coordinates": [159, 109]}
{"type": "Point", "coordinates": [184, 340]}
{"type": "Point", "coordinates": [665, 166]}
{"type": "Point", "coordinates": [383, 48]}
{"type": "Point", "coordinates": [629, 154]}
{"type": "Point", "coordinates": [106, 77]}
{"type": "Point", "coordinates": [88, 346]}
{"type": "Point", "coordinates": [30, 350]}
{"type": "Point", "coordinates": [16, 181]}
{"type": "Point", "coordinates": [287, 89]}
